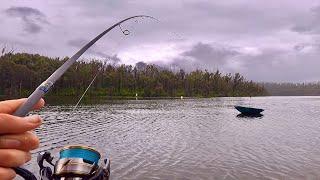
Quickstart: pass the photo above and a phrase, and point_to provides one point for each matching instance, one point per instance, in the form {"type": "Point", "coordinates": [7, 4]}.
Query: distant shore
{"type": "Point", "coordinates": [97, 99]}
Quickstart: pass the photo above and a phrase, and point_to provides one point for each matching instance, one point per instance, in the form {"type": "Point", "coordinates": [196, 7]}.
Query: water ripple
{"type": "Point", "coordinates": [193, 138]}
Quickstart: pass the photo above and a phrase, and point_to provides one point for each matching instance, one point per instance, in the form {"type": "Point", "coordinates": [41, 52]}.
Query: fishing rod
{"type": "Point", "coordinates": [47, 84]}
{"type": "Point", "coordinates": [83, 156]}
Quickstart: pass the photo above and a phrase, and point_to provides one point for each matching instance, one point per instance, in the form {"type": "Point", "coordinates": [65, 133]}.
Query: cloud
{"type": "Point", "coordinates": [79, 43]}
{"type": "Point", "coordinates": [32, 18]}
{"type": "Point", "coordinates": [210, 56]}
{"type": "Point", "coordinates": [310, 23]}
{"type": "Point", "coordinates": [307, 47]}
{"type": "Point", "coordinates": [93, 50]}
{"type": "Point", "coordinates": [113, 59]}
{"type": "Point", "coordinates": [282, 65]}
{"type": "Point", "coordinates": [208, 53]}
{"type": "Point", "coordinates": [295, 64]}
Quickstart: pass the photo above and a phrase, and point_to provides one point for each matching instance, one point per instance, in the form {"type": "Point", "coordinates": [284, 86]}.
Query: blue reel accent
{"type": "Point", "coordinates": [85, 154]}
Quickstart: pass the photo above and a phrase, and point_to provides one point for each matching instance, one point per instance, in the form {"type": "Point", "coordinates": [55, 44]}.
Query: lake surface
{"type": "Point", "coordinates": [193, 138]}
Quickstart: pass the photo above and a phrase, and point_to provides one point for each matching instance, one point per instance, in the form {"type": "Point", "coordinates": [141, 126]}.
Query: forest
{"type": "Point", "coordinates": [293, 89]}
{"type": "Point", "coordinates": [21, 73]}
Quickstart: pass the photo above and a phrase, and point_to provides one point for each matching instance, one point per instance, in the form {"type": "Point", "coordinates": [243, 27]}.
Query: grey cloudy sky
{"type": "Point", "coordinates": [274, 40]}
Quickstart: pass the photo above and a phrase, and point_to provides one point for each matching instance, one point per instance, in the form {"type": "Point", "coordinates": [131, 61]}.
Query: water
{"type": "Point", "coordinates": [193, 138]}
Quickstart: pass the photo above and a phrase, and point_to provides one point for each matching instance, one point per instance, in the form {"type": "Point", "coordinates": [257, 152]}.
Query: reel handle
{"type": "Point", "coordinates": [24, 173]}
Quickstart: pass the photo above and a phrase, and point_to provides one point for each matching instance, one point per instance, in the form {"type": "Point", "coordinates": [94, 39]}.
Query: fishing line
{"type": "Point", "coordinates": [85, 91]}
{"type": "Point", "coordinates": [125, 32]}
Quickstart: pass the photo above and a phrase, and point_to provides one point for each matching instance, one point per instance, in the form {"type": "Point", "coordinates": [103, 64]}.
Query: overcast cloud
{"type": "Point", "coordinates": [32, 18]}
{"type": "Point", "coordinates": [276, 40]}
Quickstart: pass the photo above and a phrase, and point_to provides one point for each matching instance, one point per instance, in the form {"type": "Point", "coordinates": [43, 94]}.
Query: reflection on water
{"type": "Point", "coordinates": [193, 138]}
{"type": "Point", "coordinates": [250, 116]}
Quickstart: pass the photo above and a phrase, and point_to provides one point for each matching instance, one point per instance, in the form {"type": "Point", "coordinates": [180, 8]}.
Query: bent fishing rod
{"type": "Point", "coordinates": [47, 84]}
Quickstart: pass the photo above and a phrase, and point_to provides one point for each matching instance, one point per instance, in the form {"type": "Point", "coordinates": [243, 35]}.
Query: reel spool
{"type": "Point", "coordinates": [80, 161]}
{"type": "Point", "coordinates": [74, 163]}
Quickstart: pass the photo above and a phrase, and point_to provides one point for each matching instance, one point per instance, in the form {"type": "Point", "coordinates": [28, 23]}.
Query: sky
{"type": "Point", "coordinates": [266, 41]}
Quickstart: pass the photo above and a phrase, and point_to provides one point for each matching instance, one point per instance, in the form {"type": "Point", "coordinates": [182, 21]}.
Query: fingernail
{"type": "Point", "coordinates": [42, 102]}
{"type": "Point", "coordinates": [10, 143]}
{"type": "Point", "coordinates": [33, 119]}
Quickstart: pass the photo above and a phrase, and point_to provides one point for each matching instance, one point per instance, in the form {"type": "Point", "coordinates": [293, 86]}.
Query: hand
{"type": "Point", "coordinates": [16, 140]}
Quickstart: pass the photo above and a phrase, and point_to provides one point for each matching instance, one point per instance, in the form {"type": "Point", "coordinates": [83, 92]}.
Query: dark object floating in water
{"type": "Point", "coordinates": [247, 111]}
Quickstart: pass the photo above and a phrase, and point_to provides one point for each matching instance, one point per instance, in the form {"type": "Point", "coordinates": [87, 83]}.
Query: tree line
{"type": "Point", "coordinates": [293, 89]}
{"type": "Point", "coordinates": [21, 73]}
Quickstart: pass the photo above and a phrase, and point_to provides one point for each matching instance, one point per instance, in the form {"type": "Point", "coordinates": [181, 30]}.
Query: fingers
{"type": "Point", "coordinates": [13, 125]}
{"type": "Point", "coordinates": [16, 141]}
{"type": "Point", "coordinates": [10, 106]}
{"type": "Point", "coordinates": [13, 157]}
{"type": "Point", "coordinates": [25, 141]}
{"type": "Point", "coordinates": [7, 173]}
